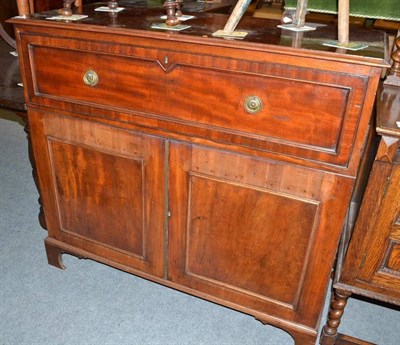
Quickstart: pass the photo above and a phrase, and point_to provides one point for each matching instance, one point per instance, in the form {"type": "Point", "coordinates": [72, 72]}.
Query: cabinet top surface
{"type": "Point", "coordinates": [263, 34]}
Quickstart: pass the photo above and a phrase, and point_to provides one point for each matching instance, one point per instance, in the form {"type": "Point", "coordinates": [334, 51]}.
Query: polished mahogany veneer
{"type": "Point", "coordinates": [221, 168]}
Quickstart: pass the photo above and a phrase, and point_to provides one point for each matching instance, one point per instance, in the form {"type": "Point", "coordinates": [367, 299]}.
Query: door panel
{"type": "Point", "coordinates": [260, 233]}
{"type": "Point", "coordinates": [381, 264]}
{"type": "Point", "coordinates": [107, 188]}
{"type": "Point", "coordinates": [253, 232]}
{"type": "Point", "coordinates": [92, 185]}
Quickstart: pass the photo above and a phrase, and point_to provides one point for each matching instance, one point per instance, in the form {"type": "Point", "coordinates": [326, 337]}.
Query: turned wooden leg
{"type": "Point", "coordinates": [53, 254]}
{"type": "Point", "coordinates": [23, 7]}
{"type": "Point", "coordinates": [41, 217]}
{"type": "Point", "coordinates": [329, 332]}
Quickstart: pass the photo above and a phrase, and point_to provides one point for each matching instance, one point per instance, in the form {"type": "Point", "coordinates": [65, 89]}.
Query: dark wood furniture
{"type": "Point", "coordinates": [371, 265]}
{"type": "Point", "coordinates": [221, 168]}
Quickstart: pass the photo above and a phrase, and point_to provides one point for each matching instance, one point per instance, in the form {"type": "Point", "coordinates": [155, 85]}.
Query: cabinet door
{"type": "Point", "coordinates": [257, 235]}
{"type": "Point", "coordinates": [380, 264]}
{"type": "Point", "coordinates": [103, 189]}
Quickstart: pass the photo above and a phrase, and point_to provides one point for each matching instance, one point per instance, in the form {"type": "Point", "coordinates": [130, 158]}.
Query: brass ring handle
{"type": "Point", "coordinates": [253, 104]}
{"type": "Point", "coordinates": [90, 78]}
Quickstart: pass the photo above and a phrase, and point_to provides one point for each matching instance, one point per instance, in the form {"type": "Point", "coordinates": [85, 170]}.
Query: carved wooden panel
{"type": "Point", "coordinates": [393, 257]}
{"type": "Point", "coordinates": [380, 265]}
{"type": "Point", "coordinates": [387, 148]}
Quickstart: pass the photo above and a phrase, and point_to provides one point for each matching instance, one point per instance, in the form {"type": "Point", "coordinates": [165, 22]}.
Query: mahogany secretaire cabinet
{"type": "Point", "coordinates": [221, 168]}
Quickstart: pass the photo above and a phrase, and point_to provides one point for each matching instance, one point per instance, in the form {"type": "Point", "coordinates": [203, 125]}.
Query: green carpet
{"type": "Point", "coordinates": [376, 9]}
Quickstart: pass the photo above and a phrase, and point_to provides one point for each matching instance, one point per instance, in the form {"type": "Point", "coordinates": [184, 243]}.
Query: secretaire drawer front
{"type": "Point", "coordinates": [289, 110]}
